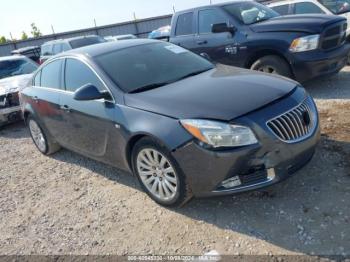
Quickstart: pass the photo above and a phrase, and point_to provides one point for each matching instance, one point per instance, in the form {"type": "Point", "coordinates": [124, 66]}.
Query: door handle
{"type": "Point", "coordinates": [66, 108]}
{"type": "Point", "coordinates": [202, 42]}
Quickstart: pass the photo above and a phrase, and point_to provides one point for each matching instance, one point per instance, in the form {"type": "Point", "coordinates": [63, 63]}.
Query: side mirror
{"type": "Point", "coordinates": [89, 92]}
{"type": "Point", "coordinates": [222, 28]}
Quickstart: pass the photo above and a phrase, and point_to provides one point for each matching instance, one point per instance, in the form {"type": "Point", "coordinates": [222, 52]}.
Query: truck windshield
{"type": "Point", "coordinates": [250, 12]}
{"type": "Point", "coordinates": [14, 67]}
{"type": "Point", "coordinates": [337, 6]}
{"type": "Point", "coordinates": [148, 66]}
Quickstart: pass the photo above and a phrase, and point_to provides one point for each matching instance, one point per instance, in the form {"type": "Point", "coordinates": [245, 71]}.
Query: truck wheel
{"type": "Point", "coordinates": [272, 64]}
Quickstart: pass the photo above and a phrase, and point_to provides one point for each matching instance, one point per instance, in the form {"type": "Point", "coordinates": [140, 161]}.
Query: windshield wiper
{"type": "Point", "coordinates": [193, 74]}
{"type": "Point", "coordinates": [148, 87]}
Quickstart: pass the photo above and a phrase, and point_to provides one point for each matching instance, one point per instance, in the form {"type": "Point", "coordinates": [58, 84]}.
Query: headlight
{"type": "Point", "coordinates": [219, 134]}
{"type": "Point", "coordinates": [305, 43]}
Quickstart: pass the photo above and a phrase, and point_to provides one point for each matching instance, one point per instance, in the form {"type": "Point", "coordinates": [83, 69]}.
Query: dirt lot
{"type": "Point", "coordinates": [68, 204]}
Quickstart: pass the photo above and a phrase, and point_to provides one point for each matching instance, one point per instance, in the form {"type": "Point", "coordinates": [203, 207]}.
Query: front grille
{"type": "Point", "coordinates": [254, 177]}
{"type": "Point", "coordinates": [334, 36]}
{"type": "Point", "coordinates": [295, 124]}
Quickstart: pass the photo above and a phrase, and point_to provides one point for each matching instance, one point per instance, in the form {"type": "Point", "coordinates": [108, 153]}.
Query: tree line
{"type": "Point", "coordinates": [35, 32]}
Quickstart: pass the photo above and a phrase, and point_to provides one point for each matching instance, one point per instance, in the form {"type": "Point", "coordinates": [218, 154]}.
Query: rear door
{"type": "Point", "coordinates": [87, 124]}
{"type": "Point", "coordinates": [45, 94]}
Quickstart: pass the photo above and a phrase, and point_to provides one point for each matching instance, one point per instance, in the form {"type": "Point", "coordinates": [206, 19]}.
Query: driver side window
{"type": "Point", "coordinates": [77, 74]}
{"type": "Point", "coordinates": [207, 18]}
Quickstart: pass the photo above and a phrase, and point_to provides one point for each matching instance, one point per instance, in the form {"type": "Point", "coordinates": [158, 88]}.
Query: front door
{"type": "Point", "coordinates": [219, 47]}
{"type": "Point", "coordinates": [88, 124]}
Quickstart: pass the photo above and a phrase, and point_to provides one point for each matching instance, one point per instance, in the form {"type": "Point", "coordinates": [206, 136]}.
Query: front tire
{"type": "Point", "coordinates": [272, 64]}
{"type": "Point", "coordinates": [159, 174]}
{"type": "Point", "coordinates": [42, 141]}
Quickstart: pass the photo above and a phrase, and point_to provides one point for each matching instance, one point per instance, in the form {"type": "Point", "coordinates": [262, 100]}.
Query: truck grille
{"type": "Point", "coordinates": [334, 36]}
{"type": "Point", "coordinates": [295, 124]}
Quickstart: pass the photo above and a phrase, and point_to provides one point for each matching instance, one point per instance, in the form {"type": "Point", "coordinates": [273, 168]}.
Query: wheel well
{"type": "Point", "coordinates": [129, 147]}
{"type": "Point", "coordinates": [262, 53]}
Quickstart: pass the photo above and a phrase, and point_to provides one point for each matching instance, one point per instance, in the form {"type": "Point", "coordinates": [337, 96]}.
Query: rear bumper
{"type": "Point", "coordinates": [309, 65]}
{"type": "Point", "coordinates": [257, 166]}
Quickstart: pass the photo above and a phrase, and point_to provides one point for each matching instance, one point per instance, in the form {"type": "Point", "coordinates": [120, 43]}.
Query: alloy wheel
{"type": "Point", "coordinates": [157, 174]}
{"type": "Point", "coordinates": [37, 135]}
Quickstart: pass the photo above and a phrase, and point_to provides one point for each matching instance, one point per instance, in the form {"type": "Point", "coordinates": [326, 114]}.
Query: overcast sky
{"type": "Point", "coordinates": [65, 15]}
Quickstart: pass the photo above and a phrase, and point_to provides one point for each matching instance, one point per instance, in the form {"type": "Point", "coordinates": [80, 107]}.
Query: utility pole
{"type": "Point", "coordinates": [11, 37]}
{"type": "Point", "coordinates": [134, 16]}
{"type": "Point", "coordinates": [210, 1]}
{"type": "Point", "coordinates": [174, 9]}
{"type": "Point", "coordinates": [53, 31]}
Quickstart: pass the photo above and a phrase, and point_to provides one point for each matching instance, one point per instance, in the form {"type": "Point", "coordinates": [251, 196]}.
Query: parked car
{"type": "Point", "coordinates": [32, 52]}
{"type": "Point", "coordinates": [300, 7]}
{"type": "Point", "coordinates": [250, 35]}
{"type": "Point", "coordinates": [120, 37]}
{"type": "Point", "coordinates": [162, 33]}
{"type": "Point", "coordinates": [55, 47]}
{"type": "Point", "coordinates": [181, 124]}
{"type": "Point", "coordinates": [15, 73]}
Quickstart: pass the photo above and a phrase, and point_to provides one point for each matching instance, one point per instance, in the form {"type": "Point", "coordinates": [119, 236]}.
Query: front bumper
{"type": "Point", "coordinates": [257, 166]}
{"type": "Point", "coordinates": [10, 114]}
{"type": "Point", "coordinates": [312, 64]}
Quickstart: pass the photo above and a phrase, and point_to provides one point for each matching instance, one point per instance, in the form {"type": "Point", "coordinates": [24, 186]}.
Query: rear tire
{"type": "Point", "coordinates": [159, 174]}
{"type": "Point", "coordinates": [272, 64]}
{"type": "Point", "coordinates": [43, 141]}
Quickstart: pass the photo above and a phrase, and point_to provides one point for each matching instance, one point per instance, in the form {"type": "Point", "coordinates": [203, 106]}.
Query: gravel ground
{"type": "Point", "coordinates": [68, 204]}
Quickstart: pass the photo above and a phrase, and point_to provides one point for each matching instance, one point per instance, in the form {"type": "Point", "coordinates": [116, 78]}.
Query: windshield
{"type": "Point", "coordinates": [86, 41]}
{"type": "Point", "coordinates": [16, 67]}
{"type": "Point", "coordinates": [151, 65]}
{"type": "Point", "coordinates": [337, 6]}
{"type": "Point", "coordinates": [250, 12]}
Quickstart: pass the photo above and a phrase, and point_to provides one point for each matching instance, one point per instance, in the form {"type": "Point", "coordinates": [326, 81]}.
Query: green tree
{"type": "Point", "coordinates": [2, 40]}
{"type": "Point", "coordinates": [35, 30]}
{"type": "Point", "coordinates": [24, 36]}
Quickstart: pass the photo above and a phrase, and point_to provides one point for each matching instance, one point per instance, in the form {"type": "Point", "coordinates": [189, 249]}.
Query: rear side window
{"type": "Point", "coordinates": [307, 8]}
{"type": "Point", "coordinates": [281, 9]}
{"type": "Point", "coordinates": [184, 24]}
{"type": "Point", "coordinates": [46, 50]}
{"type": "Point", "coordinates": [51, 75]}
{"type": "Point", "coordinates": [207, 18]}
{"type": "Point", "coordinates": [77, 74]}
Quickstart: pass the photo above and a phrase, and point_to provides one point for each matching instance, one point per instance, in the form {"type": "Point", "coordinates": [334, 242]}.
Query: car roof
{"type": "Point", "coordinates": [13, 57]}
{"type": "Point", "coordinates": [103, 48]}
{"type": "Point", "coordinates": [69, 39]}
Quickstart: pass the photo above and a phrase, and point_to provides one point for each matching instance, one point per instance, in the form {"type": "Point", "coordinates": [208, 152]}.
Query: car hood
{"type": "Point", "coordinates": [14, 84]}
{"type": "Point", "coordinates": [312, 23]}
{"type": "Point", "coordinates": [223, 93]}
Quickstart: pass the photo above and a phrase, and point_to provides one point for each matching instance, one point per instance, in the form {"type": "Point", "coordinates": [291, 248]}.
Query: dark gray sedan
{"type": "Point", "coordinates": [182, 125]}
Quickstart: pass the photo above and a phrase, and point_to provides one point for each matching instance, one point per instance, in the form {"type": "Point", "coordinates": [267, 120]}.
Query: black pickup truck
{"type": "Point", "coordinates": [250, 35]}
